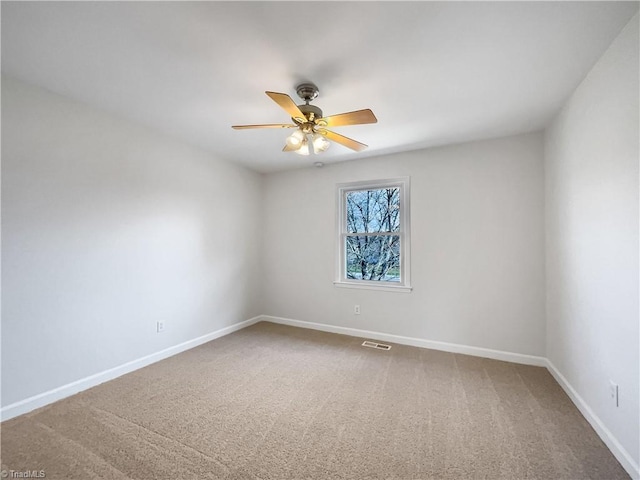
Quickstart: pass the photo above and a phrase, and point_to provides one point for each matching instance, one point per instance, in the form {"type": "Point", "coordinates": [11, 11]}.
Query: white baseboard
{"type": "Point", "coordinates": [603, 432]}
{"type": "Point", "coordinates": [42, 399]}
{"type": "Point", "coordinates": [414, 342]}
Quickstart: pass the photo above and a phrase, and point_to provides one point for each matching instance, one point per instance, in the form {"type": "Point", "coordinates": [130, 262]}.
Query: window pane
{"type": "Point", "coordinates": [373, 257]}
{"type": "Point", "coordinates": [373, 211]}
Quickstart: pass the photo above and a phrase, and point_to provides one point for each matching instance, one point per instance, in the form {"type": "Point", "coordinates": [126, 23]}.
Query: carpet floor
{"type": "Point", "coordinates": [277, 402]}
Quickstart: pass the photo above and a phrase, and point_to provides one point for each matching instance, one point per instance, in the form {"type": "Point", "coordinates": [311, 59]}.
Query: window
{"type": "Point", "coordinates": [373, 235]}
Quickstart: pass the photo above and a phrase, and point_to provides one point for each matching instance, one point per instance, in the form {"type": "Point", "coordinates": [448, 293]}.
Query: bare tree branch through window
{"type": "Point", "coordinates": [372, 241]}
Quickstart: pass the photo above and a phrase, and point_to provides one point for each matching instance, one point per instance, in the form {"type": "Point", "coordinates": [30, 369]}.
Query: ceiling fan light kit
{"type": "Point", "coordinates": [304, 147]}
{"type": "Point", "coordinates": [295, 140]}
{"type": "Point", "coordinates": [320, 143]}
{"type": "Point", "coordinates": [311, 133]}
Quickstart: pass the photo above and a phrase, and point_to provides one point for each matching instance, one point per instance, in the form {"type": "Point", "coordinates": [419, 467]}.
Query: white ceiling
{"type": "Point", "coordinates": [433, 72]}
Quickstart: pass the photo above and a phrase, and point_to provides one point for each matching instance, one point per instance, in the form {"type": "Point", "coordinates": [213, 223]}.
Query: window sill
{"type": "Point", "coordinates": [373, 286]}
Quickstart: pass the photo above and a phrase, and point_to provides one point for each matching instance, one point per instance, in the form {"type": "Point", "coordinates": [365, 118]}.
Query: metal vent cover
{"type": "Point", "coordinates": [379, 346]}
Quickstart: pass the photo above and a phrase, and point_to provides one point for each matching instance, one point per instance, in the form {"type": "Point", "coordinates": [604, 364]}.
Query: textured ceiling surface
{"type": "Point", "coordinates": [434, 73]}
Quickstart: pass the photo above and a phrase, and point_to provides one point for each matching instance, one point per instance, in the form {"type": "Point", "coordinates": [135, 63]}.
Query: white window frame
{"type": "Point", "coordinates": [403, 184]}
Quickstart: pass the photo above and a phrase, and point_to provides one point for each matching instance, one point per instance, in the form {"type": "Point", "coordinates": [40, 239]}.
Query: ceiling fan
{"type": "Point", "coordinates": [311, 126]}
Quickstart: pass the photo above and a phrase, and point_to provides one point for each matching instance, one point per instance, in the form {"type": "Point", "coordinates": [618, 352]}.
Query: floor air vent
{"type": "Point", "coordinates": [379, 346]}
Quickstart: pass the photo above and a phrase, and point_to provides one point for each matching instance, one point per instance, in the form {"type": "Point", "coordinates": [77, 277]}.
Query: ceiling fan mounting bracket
{"type": "Point", "coordinates": [307, 91]}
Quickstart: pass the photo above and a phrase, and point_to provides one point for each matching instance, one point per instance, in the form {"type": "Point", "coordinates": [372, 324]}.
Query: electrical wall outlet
{"type": "Point", "coordinates": [613, 392]}
{"type": "Point", "coordinates": [159, 327]}
{"type": "Point", "coordinates": [356, 309]}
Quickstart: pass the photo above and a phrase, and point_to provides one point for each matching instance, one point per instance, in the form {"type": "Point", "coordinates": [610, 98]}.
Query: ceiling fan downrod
{"type": "Point", "coordinates": [307, 92]}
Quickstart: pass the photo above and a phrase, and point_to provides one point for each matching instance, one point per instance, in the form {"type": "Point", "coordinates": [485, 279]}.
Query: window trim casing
{"type": "Point", "coordinates": [403, 183]}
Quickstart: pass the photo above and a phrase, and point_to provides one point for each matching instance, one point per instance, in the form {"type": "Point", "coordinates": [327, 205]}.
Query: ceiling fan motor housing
{"type": "Point", "coordinates": [310, 109]}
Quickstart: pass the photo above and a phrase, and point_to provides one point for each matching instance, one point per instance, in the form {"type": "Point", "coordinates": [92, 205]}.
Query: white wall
{"type": "Point", "coordinates": [591, 166]}
{"type": "Point", "coordinates": [108, 227]}
{"type": "Point", "coordinates": [477, 246]}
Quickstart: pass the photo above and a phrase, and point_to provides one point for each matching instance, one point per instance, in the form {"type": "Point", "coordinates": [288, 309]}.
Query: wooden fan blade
{"type": "Point", "coordinates": [342, 140]}
{"type": "Point", "coordinates": [358, 117]}
{"type": "Point", "coordinates": [287, 105]}
{"type": "Point", "coordinates": [266, 125]}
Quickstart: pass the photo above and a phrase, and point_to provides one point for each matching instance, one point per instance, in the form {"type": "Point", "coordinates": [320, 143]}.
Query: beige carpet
{"type": "Point", "coordinates": [279, 402]}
